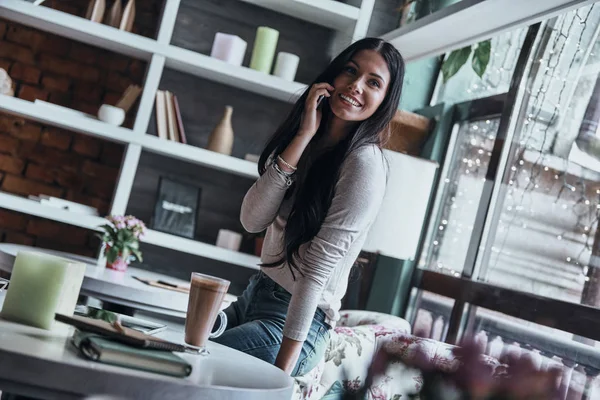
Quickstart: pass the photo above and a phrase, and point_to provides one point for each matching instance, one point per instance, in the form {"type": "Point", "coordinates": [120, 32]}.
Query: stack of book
{"type": "Point", "coordinates": [168, 117]}
{"type": "Point", "coordinates": [113, 343]}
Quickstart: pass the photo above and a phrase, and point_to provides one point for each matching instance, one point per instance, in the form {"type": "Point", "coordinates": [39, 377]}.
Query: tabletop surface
{"type": "Point", "coordinates": [47, 360]}
{"type": "Point", "coordinates": [115, 286]}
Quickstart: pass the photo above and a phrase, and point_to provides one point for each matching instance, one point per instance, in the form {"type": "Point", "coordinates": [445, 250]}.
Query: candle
{"type": "Point", "coordinates": [40, 286]}
{"type": "Point", "coordinates": [229, 48]}
{"type": "Point", "coordinates": [263, 53]}
{"type": "Point", "coordinates": [229, 239]}
{"type": "Point", "coordinates": [286, 65]}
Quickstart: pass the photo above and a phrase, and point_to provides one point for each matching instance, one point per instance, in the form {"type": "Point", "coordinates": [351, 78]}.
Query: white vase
{"type": "Point", "coordinates": [221, 138]}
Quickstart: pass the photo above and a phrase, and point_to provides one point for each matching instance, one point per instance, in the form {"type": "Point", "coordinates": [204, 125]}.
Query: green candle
{"type": "Point", "coordinates": [39, 285]}
{"type": "Point", "coordinates": [265, 45]}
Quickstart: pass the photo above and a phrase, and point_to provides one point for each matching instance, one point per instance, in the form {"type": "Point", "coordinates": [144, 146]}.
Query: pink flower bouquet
{"type": "Point", "coordinates": [121, 240]}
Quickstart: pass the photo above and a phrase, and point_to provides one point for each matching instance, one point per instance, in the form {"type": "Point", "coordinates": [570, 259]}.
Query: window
{"type": "Point", "coordinates": [543, 229]}
{"type": "Point", "coordinates": [467, 85]}
{"type": "Point", "coordinates": [512, 245]}
{"type": "Point", "coordinates": [459, 192]}
{"type": "Point", "coordinates": [432, 316]}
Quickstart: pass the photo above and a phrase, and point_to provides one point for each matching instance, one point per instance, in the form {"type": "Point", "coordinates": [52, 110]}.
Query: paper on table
{"type": "Point", "coordinates": [182, 288]}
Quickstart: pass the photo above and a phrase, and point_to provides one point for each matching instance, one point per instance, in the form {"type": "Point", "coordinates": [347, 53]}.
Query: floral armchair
{"type": "Point", "coordinates": [354, 343]}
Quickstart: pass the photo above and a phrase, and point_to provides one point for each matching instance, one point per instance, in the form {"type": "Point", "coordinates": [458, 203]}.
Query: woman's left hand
{"type": "Point", "coordinates": [288, 355]}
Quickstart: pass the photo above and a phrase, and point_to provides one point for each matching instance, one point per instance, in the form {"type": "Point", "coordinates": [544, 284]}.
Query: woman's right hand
{"type": "Point", "coordinates": [311, 117]}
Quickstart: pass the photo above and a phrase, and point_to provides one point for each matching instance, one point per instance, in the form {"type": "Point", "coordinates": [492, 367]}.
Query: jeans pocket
{"type": "Point", "coordinates": [282, 296]}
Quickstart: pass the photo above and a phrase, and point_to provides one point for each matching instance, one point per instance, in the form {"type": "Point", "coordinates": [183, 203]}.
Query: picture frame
{"type": "Point", "coordinates": [176, 208]}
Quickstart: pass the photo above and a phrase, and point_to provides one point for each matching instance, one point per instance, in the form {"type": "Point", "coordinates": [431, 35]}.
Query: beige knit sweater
{"type": "Point", "coordinates": [327, 259]}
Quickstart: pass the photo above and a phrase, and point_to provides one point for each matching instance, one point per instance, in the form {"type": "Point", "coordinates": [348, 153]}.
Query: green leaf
{"type": "Point", "coordinates": [121, 236]}
{"type": "Point", "coordinates": [104, 315]}
{"type": "Point", "coordinates": [112, 254]}
{"type": "Point", "coordinates": [454, 62]}
{"type": "Point", "coordinates": [481, 57]}
{"type": "Point", "coordinates": [137, 254]}
{"type": "Point", "coordinates": [125, 253]}
{"type": "Point", "coordinates": [108, 229]}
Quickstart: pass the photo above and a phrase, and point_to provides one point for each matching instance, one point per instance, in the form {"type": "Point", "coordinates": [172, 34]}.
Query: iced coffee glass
{"type": "Point", "coordinates": [204, 305]}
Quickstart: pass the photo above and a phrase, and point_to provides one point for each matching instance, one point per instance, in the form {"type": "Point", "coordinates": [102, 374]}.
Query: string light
{"type": "Point", "coordinates": [474, 149]}
{"type": "Point", "coordinates": [550, 86]}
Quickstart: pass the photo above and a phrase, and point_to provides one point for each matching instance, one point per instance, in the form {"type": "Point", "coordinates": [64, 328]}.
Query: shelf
{"type": "Point", "coordinates": [471, 21]}
{"type": "Point", "coordinates": [92, 127]}
{"type": "Point", "coordinates": [78, 28]}
{"type": "Point", "coordinates": [328, 13]}
{"type": "Point", "coordinates": [201, 249]}
{"type": "Point", "coordinates": [187, 61]}
{"type": "Point", "coordinates": [31, 207]}
{"type": "Point", "coordinates": [52, 115]}
{"type": "Point", "coordinates": [199, 156]}
{"type": "Point", "coordinates": [244, 78]}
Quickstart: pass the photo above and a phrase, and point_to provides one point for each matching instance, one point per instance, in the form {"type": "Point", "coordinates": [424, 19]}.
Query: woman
{"type": "Point", "coordinates": [322, 181]}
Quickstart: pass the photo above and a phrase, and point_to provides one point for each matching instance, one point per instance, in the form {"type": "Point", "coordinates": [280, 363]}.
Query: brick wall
{"type": "Point", "coordinates": [39, 159]}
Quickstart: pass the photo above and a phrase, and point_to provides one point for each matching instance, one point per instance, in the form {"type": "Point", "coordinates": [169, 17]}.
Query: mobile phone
{"type": "Point", "coordinates": [320, 101]}
{"type": "Point", "coordinates": [140, 325]}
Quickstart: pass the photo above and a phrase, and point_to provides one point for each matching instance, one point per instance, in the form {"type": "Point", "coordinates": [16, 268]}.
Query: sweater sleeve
{"type": "Point", "coordinates": [263, 199]}
{"type": "Point", "coordinates": [358, 196]}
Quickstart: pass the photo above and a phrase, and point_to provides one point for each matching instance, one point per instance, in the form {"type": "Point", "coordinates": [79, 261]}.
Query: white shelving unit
{"type": "Point", "coordinates": [137, 46]}
{"type": "Point", "coordinates": [471, 21]}
{"type": "Point", "coordinates": [201, 249]}
{"type": "Point", "coordinates": [328, 13]}
{"type": "Point", "coordinates": [77, 28]}
{"type": "Point", "coordinates": [466, 22]}
{"type": "Point", "coordinates": [200, 156]}
{"type": "Point", "coordinates": [64, 119]}
{"type": "Point", "coordinates": [160, 54]}
{"type": "Point", "coordinates": [240, 77]}
{"type": "Point", "coordinates": [99, 129]}
{"type": "Point", "coordinates": [31, 207]}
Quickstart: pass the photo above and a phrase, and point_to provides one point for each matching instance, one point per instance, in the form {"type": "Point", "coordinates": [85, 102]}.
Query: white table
{"type": "Point", "coordinates": [117, 287]}
{"type": "Point", "coordinates": [35, 362]}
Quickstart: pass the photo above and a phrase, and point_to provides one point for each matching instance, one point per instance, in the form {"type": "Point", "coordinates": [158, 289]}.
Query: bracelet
{"type": "Point", "coordinates": [287, 175]}
{"type": "Point", "coordinates": [286, 164]}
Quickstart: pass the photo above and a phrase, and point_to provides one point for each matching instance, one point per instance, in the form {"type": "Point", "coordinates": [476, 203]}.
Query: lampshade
{"type": "Point", "coordinates": [397, 228]}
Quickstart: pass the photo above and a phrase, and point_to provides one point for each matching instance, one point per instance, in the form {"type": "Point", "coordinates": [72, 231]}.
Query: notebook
{"type": "Point", "coordinates": [105, 350]}
{"type": "Point", "coordinates": [127, 336]}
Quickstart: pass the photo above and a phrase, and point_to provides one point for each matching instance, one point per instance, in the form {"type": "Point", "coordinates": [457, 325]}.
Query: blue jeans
{"type": "Point", "coordinates": [255, 325]}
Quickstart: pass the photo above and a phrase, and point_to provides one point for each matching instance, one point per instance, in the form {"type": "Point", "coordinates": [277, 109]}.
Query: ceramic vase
{"type": "Point", "coordinates": [221, 138]}
{"type": "Point", "coordinates": [119, 264]}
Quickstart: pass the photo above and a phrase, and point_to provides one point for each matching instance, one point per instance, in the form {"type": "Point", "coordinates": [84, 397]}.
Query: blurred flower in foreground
{"type": "Point", "coordinates": [472, 379]}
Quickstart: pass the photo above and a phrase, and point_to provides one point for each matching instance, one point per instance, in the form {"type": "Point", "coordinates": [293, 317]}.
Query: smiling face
{"type": "Point", "coordinates": [360, 87]}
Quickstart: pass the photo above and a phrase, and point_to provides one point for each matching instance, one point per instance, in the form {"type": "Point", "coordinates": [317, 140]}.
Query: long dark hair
{"type": "Point", "coordinates": [315, 185]}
